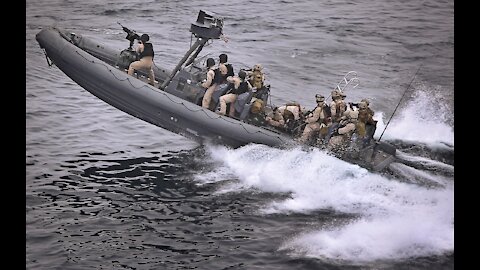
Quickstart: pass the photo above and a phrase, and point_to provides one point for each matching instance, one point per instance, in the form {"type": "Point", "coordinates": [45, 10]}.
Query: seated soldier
{"type": "Point", "coordinates": [290, 123]}
{"type": "Point", "coordinates": [368, 104]}
{"type": "Point", "coordinates": [257, 115]}
{"type": "Point", "coordinates": [293, 116]}
{"type": "Point", "coordinates": [276, 120]}
{"type": "Point", "coordinates": [219, 78]}
{"type": "Point", "coordinates": [293, 107]}
{"type": "Point", "coordinates": [343, 136]}
{"type": "Point", "coordinates": [316, 121]}
{"type": "Point", "coordinates": [366, 126]}
{"type": "Point", "coordinates": [256, 77]}
{"type": "Point", "coordinates": [240, 86]}
{"type": "Point", "coordinates": [337, 108]}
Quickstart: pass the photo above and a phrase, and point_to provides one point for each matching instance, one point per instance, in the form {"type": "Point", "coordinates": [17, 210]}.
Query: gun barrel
{"type": "Point", "coordinates": [128, 31]}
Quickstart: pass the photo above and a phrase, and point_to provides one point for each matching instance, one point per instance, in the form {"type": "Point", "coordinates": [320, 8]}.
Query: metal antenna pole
{"type": "Point", "coordinates": [199, 42]}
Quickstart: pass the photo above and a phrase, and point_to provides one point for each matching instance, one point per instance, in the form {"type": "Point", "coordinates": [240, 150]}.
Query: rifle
{"type": "Point", "coordinates": [131, 35]}
{"type": "Point", "coordinates": [351, 105]}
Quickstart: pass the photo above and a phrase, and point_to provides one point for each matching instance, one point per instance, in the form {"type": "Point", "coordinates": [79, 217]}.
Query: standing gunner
{"type": "Point", "coordinates": [145, 49]}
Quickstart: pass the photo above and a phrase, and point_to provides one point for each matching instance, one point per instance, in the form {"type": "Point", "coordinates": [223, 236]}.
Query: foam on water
{"type": "Point", "coordinates": [395, 219]}
{"type": "Point", "coordinates": [423, 119]}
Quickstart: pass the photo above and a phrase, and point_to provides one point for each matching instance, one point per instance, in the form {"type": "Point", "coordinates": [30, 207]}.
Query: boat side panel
{"type": "Point", "coordinates": [108, 55]}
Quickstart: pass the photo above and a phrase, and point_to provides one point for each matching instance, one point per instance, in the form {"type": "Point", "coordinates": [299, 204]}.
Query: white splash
{"type": "Point", "coordinates": [396, 220]}
{"type": "Point", "coordinates": [423, 119]}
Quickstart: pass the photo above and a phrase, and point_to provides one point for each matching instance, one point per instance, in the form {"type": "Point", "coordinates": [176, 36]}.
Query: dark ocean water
{"type": "Point", "coordinates": [105, 190]}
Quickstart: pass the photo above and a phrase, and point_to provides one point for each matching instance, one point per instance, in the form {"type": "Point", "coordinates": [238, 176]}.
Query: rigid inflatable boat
{"type": "Point", "coordinates": [174, 101]}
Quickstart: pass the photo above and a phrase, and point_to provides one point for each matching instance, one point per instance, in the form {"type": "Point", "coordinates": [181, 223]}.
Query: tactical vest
{"type": "Point", "coordinates": [242, 88]}
{"type": "Point", "coordinates": [229, 70]}
{"type": "Point", "coordinates": [218, 78]}
{"type": "Point", "coordinates": [147, 50]}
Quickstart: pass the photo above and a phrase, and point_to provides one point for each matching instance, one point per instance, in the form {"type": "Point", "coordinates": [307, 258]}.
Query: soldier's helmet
{"type": "Point", "coordinates": [257, 67]}
{"type": "Point", "coordinates": [319, 98]}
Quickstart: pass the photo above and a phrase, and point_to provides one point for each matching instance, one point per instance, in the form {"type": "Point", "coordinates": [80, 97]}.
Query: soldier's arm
{"type": "Point", "coordinates": [208, 82]}
{"type": "Point", "coordinates": [315, 116]}
{"type": "Point", "coordinates": [349, 127]}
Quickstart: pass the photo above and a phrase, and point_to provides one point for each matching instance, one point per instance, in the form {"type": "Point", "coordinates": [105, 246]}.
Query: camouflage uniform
{"type": "Point", "coordinates": [257, 78]}
{"type": "Point", "coordinates": [316, 121]}
{"type": "Point", "coordinates": [277, 120]}
{"type": "Point", "coordinates": [207, 97]}
{"type": "Point", "coordinates": [345, 132]}
{"type": "Point", "coordinates": [365, 117]}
